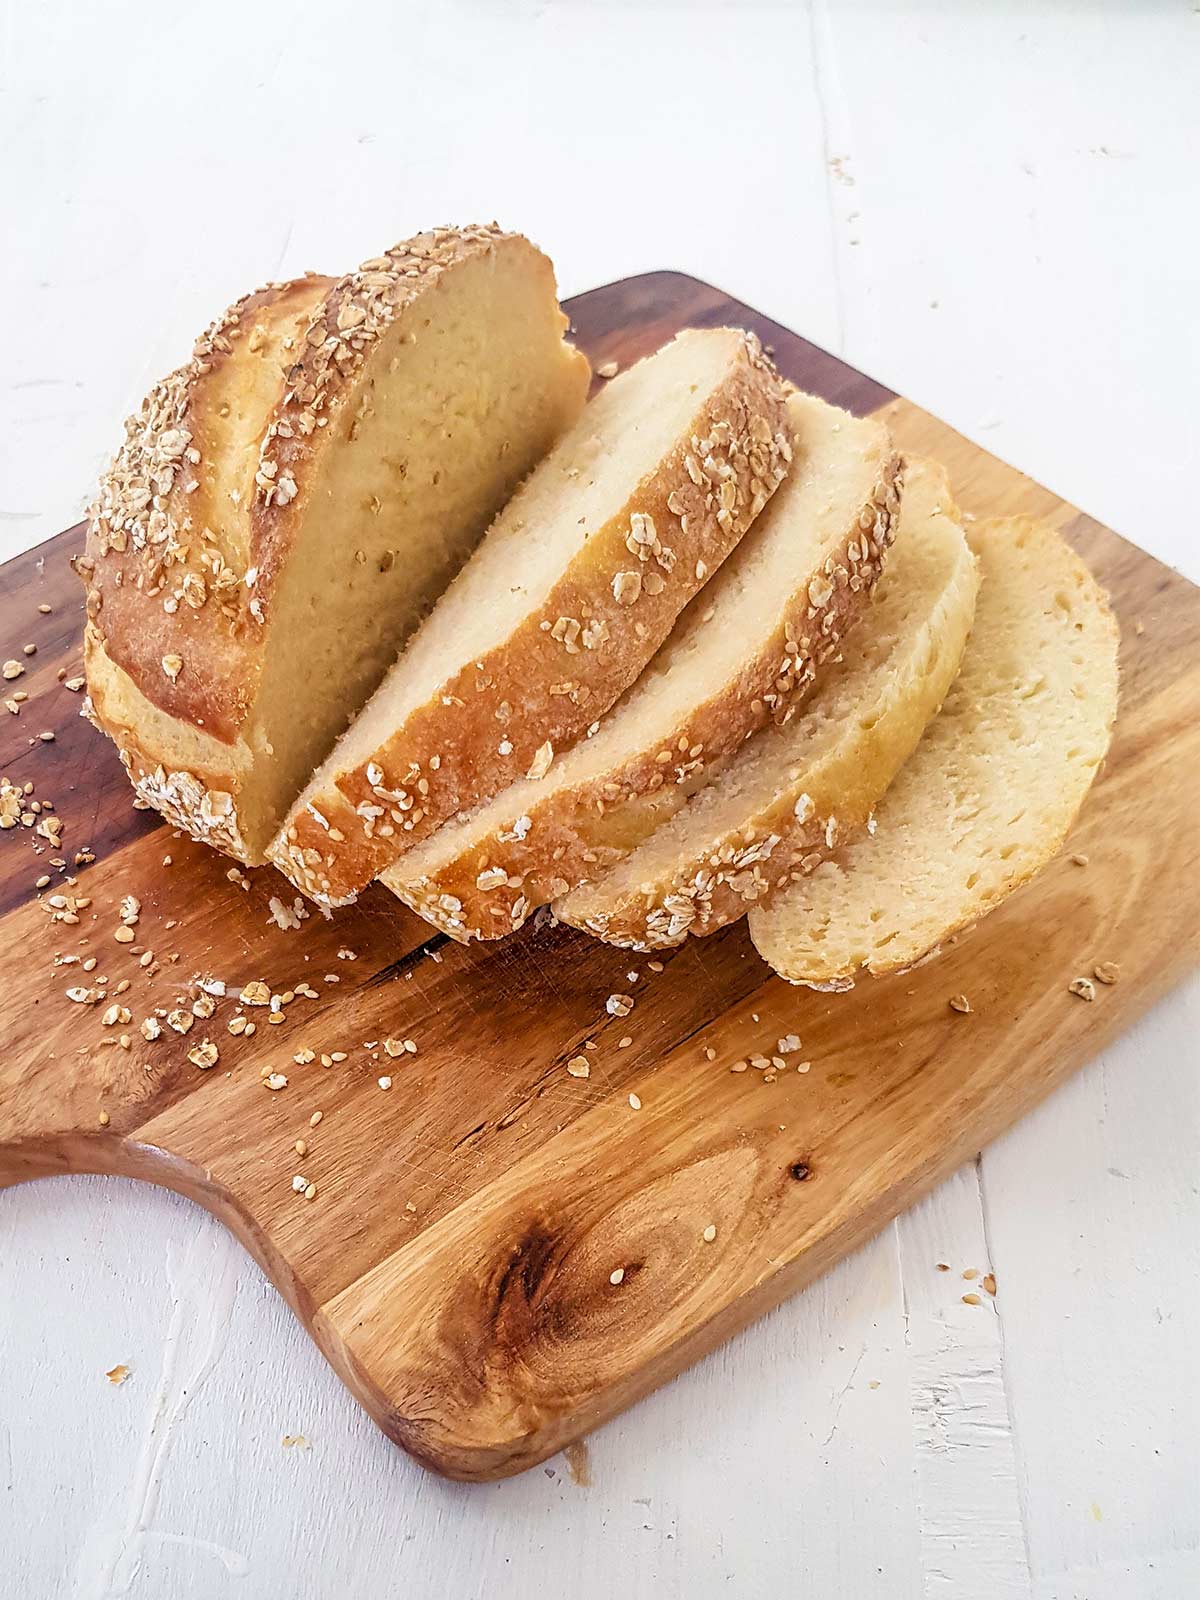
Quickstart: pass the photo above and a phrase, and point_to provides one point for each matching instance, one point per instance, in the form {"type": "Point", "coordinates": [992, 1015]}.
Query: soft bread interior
{"type": "Point", "coordinates": [619, 440]}
{"type": "Point", "coordinates": [864, 718]}
{"type": "Point", "coordinates": [836, 466]}
{"type": "Point", "coordinates": [991, 790]}
{"type": "Point", "coordinates": [467, 390]}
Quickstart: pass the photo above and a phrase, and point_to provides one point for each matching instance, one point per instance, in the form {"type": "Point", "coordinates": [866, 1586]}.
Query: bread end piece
{"type": "Point", "coordinates": [992, 790]}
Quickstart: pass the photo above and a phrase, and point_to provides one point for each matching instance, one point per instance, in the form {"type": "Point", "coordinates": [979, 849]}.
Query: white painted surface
{"type": "Point", "coordinates": [1016, 250]}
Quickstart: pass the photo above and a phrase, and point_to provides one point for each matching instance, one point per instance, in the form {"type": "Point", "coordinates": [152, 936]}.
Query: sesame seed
{"type": "Point", "coordinates": [971, 1300]}
{"type": "Point", "coordinates": [635, 1101]}
{"type": "Point", "coordinates": [710, 1233]}
{"type": "Point", "coordinates": [616, 1276]}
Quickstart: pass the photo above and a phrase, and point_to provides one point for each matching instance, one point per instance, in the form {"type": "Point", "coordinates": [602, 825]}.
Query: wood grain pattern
{"type": "Point", "coordinates": [456, 1264]}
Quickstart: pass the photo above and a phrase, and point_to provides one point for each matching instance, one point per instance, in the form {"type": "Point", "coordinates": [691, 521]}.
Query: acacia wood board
{"type": "Point", "coordinates": [457, 1262]}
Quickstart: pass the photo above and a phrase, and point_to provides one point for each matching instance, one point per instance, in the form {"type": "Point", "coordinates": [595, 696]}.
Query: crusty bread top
{"type": "Point", "coordinates": [194, 518]}
{"type": "Point", "coordinates": [993, 787]}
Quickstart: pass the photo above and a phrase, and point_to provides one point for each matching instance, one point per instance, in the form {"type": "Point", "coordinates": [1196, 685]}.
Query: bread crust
{"type": "Point", "coordinates": [170, 542]}
{"type": "Point", "coordinates": [200, 797]}
{"type": "Point", "coordinates": [783, 839]}
{"type": "Point", "coordinates": [543, 686]}
{"type": "Point", "coordinates": [194, 521]}
{"type": "Point", "coordinates": [490, 887]}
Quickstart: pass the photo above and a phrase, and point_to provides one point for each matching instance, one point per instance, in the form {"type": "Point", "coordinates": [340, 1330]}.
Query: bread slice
{"type": "Point", "coordinates": [793, 791]}
{"type": "Point", "coordinates": [993, 787]}
{"type": "Point", "coordinates": [743, 653]}
{"type": "Point", "coordinates": [576, 585]}
{"type": "Point", "coordinates": [286, 507]}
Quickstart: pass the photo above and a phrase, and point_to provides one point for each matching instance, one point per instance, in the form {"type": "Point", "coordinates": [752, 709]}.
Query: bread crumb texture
{"type": "Point", "coordinates": [994, 786]}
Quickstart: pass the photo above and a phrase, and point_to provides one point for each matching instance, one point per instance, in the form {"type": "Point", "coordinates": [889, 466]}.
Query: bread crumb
{"type": "Point", "coordinates": [1107, 971]}
{"type": "Point", "coordinates": [118, 1374]}
{"type": "Point", "coordinates": [608, 369]}
{"type": "Point", "coordinates": [578, 1067]}
{"type": "Point", "coordinates": [960, 1003]}
{"type": "Point", "coordinates": [1083, 988]}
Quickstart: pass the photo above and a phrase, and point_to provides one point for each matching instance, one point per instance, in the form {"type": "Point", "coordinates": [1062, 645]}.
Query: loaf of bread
{"type": "Point", "coordinates": [574, 588]}
{"type": "Point", "coordinates": [744, 652]}
{"type": "Point", "coordinates": [287, 506]}
{"type": "Point", "coordinates": [793, 792]}
{"type": "Point", "coordinates": [992, 789]}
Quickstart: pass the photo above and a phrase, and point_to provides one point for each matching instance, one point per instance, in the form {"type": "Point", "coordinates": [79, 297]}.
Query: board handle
{"type": "Point", "coordinates": [66, 1113]}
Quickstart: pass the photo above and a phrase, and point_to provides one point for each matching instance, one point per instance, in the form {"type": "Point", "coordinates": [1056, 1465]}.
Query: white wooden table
{"type": "Point", "coordinates": [992, 209]}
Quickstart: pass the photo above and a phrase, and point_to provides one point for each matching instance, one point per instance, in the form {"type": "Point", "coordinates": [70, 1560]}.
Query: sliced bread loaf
{"type": "Point", "coordinates": [287, 506]}
{"type": "Point", "coordinates": [993, 787]}
{"type": "Point", "coordinates": [792, 791]}
{"type": "Point", "coordinates": [744, 652]}
{"type": "Point", "coordinates": [574, 588]}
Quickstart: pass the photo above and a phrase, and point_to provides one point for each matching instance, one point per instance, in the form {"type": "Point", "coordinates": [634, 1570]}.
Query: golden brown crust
{"type": "Point", "coordinates": [201, 797]}
{"type": "Point", "coordinates": [168, 545]}
{"type": "Point", "coordinates": [566, 663]}
{"type": "Point", "coordinates": [490, 887]}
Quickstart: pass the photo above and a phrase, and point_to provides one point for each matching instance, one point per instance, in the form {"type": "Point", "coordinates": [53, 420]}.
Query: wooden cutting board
{"type": "Point", "coordinates": [499, 1255]}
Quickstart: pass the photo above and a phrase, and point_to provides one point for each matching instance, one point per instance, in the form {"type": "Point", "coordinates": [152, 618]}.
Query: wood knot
{"type": "Point", "coordinates": [800, 1170]}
